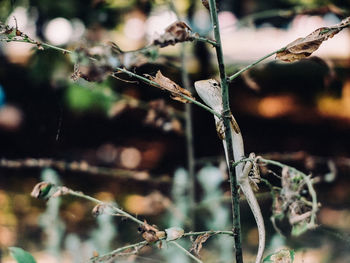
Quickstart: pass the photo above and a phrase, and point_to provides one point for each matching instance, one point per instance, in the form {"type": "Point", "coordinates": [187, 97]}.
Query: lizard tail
{"type": "Point", "coordinates": [254, 206]}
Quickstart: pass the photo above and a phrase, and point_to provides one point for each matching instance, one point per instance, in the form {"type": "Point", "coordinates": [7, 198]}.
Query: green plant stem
{"type": "Point", "coordinates": [253, 64]}
{"type": "Point", "coordinates": [116, 209]}
{"type": "Point", "coordinates": [186, 252]}
{"type": "Point", "coordinates": [228, 136]}
{"type": "Point", "coordinates": [206, 40]}
{"type": "Point", "coordinates": [210, 232]}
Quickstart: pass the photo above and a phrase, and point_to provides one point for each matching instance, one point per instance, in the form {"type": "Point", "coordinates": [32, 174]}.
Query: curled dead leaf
{"type": "Point", "coordinates": [176, 91]}
{"type": "Point", "coordinates": [304, 47]}
{"type": "Point", "coordinates": [176, 32]}
{"type": "Point", "coordinates": [198, 243]}
{"type": "Point", "coordinates": [151, 233]}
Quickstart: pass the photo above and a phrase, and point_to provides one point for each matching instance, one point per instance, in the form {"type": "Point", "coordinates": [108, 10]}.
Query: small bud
{"type": "Point", "coordinates": [174, 233]}
{"type": "Point", "coordinates": [98, 209]}
{"type": "Point", "coordinates": [41, 190]}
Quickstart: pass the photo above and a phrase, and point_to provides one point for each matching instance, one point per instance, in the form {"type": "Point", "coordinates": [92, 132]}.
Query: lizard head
{"type": "Point", "coordinates": [209, 91]}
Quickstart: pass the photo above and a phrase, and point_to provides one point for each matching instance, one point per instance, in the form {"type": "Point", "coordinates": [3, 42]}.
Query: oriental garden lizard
{"type": "Point", "coordinates": [210, 92]}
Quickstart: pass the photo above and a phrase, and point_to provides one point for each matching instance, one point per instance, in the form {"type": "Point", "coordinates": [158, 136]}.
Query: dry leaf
{"type": "Point", "coordinates": [198, 243]}
{"type": "Point", "coordinates": [304, 47]}
{"type": "Point", "coordinates": [206, 4]}
{"type": "Point", "coordinates": [169, 85]}
{"type": "Point", "coordinates": [95, 64]}
{"type": "Point", "coordinates": [150, 237]}
{"type": "Point", "coordinates": [177, 32]}
{"type": "Point", "coordinates": [151, 233]}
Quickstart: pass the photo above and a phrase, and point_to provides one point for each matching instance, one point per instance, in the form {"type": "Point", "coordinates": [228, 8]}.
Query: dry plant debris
{"type": "Point", "coordinates": [175, 33]}
{"type": "Point", "coordinates": [304, 47]}
{"type": "Point", "coordinates": [151, 233]}
{"type": "Point", "coordinates": [198, 243]}
{"type": "Point", "coordinates": [167, 84]}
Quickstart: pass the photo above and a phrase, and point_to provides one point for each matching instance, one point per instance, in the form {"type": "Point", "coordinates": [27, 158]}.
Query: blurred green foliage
{"type": "Point", "coordinates": [89, 98]}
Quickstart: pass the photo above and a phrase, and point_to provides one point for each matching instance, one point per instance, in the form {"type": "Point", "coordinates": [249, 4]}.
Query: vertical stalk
{"type": "Point", "coordinates": [189, 137]}
{"type": "Point", "coordinates": [228, 136]}
{"type": "Point", "coordinates": [188, 128]}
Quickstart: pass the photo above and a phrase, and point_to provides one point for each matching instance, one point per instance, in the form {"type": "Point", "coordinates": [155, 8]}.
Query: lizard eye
{"type": "Point", "coordinates": [215, 84]}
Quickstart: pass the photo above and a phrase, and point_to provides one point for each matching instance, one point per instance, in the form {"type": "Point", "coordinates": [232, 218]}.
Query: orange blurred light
{"type": "Point", "coordinates": [7, 236]}
{"type": "Point", "coordinates": [151, 204]}
{"type": "Point", "coordinates": [276, 106]}
{"type": "Point", "coordinates": [329, 106]}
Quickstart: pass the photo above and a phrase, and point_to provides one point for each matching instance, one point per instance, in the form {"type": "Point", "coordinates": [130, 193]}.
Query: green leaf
{"type": "Point", "coordinates": [21, 256]}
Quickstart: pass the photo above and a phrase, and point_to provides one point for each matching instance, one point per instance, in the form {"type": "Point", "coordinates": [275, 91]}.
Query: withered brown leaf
{"type": "Point", "coordinates": [198, 243]}
{"type": "Point", "coordinates": [169, 85]}
{"type": "Point", "coordinates": [151, 233]}
{"type": "Point", "coordinates": [206, 4]}
{"type": "Point", "coordinates": [176, 32]}
{"type": "Point", "coordinates": [304, 47]}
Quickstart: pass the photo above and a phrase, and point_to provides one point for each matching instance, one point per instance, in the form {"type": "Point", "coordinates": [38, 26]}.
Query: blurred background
{"type": "Point", "coordinates": [125, 142]}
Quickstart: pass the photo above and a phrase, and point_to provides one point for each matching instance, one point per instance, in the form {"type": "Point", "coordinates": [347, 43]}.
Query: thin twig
{"type": "Point", "coordinates": [210, 232]}
{"type": "Point", "coordinates": [116, 209]}
{"type": "Point", "coordinates": [186, 252]}
{"type": "Point", "coordinates": [206, 40]}
{"type": "Point", "coordinates": [82, 167]}
{"type": "Point", "coordinates": [115, 252]}
{"type": "Point", "coordinates": [231, 78]}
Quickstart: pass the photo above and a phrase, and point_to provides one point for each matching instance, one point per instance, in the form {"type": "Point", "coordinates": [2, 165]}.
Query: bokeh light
{"type": "Point", "coordinates": [58, 31]}
{"type": "Point", "coordinates": [134, 28]}
{"type": "Point", "coordinates": [158, 21]}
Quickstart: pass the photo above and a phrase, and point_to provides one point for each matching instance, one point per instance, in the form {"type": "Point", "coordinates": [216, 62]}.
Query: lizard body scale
{"type": "Point", "coordinates": [210, 92]}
